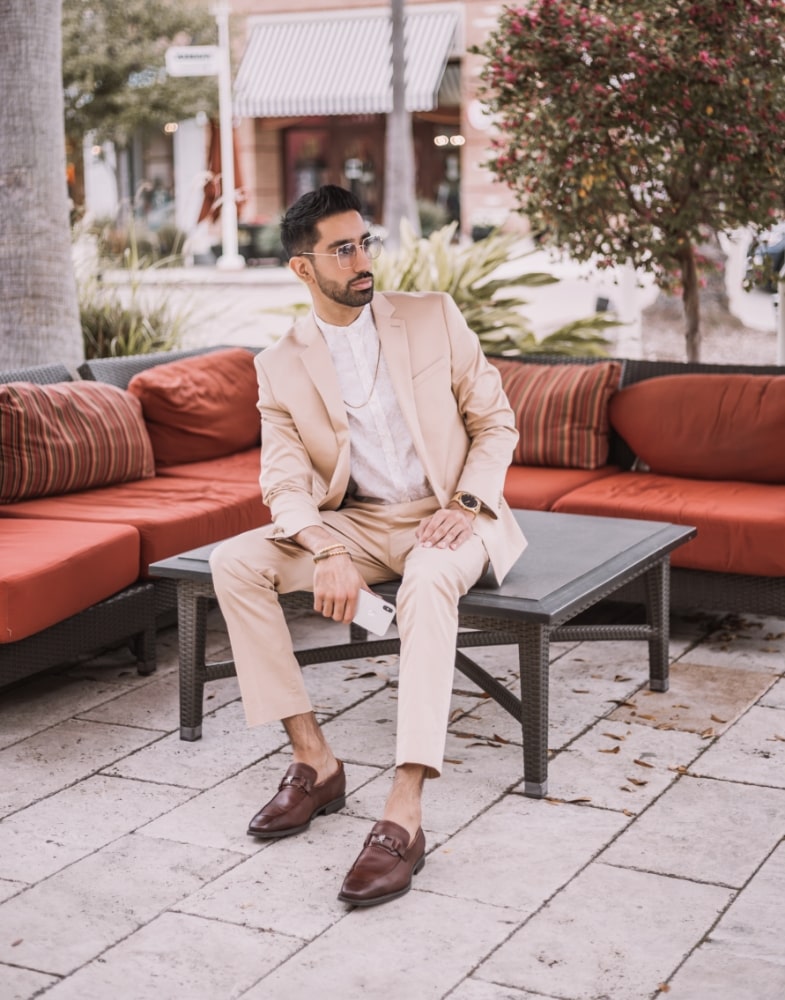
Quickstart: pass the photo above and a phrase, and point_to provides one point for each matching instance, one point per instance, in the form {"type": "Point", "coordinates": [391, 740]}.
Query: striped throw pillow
{"type": "Point", "coordinates": [561, 411]}
{"type": "Point", "coordinates": [69, 436]}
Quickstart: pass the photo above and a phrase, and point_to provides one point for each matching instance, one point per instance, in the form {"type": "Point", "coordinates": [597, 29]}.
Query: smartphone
{"type": "Point", "coordinates": [373, 613]}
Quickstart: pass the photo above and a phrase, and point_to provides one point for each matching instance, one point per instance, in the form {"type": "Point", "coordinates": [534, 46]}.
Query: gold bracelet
{"type": "Point", "coordinates": [330, 548]}
{"type": "Point", "coordinates": [334, 552]}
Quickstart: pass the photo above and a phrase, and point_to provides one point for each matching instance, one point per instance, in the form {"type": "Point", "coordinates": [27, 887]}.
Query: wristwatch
{"type": "Point", "coordinates": [468, 502]}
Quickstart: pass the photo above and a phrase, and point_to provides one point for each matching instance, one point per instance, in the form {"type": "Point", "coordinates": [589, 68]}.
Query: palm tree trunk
{"type": "Point", "coordinates": [400, 200]}
{"type": "Point", "coordinates": [39, 319]}
{"type": "Point", "coordinates": [691, 300]}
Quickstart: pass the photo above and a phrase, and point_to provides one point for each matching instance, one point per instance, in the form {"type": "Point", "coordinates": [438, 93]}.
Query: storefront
{"type": "Point", "coordinates": [313, 92]}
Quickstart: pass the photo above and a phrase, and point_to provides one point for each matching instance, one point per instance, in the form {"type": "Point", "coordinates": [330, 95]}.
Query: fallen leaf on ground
{"type": "Point", "coordinates": [707, 734]}
{"type": "Point", "coordinates": [642, 763]}
{"type": "Point", "coordinates": [610, 750]}
{"type": "Point", "coordinates": [679, 769]}
{"type": "Point", "coordinates": [613, 736]}
{"type": "Point", "coordinates": [637, 781]}
{"type": "Point", "coordinates": [716, 718]}
{"type": "Point", "coordinates": [452, 760]}
{"type": "Point", "coordinates": [580, 691]}
{"type": "Point", "coordinates": [499, 739]}
{"type": "Point", "coordinates": [621, 679]}
{"type": "Point", "coordinates": [776, 738]}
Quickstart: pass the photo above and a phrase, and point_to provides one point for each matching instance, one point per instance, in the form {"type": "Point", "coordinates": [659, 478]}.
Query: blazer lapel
{"type": "Point", "coordinates": [394, 339]}
{"type": "Point", "coordinates": [318, 365]}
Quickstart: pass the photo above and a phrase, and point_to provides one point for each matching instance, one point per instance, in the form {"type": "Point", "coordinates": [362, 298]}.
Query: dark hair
{"type": "Point", "coordinates": [298, 226]}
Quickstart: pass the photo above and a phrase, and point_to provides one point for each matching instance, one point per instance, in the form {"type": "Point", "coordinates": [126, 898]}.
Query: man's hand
{"type": "Point", "coordinates": [449, 528]}
{"type": "Point", "coordinates": [336, 583]}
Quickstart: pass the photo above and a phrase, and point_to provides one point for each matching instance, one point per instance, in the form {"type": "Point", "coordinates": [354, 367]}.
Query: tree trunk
{"type": "Point", "coordinates": [691, 299]}
{"type": "Point", "coordinates": [39, 319]}
{"type": "Point", "coordinates": [400, 200]}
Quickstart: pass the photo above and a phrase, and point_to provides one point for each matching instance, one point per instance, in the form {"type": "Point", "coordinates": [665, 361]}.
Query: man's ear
{"type": "Point", "coordinates": [299, 266]}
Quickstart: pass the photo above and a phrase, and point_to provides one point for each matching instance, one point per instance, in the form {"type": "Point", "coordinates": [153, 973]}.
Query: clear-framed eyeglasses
{"type": "Point", "coordinates": [346, 253]}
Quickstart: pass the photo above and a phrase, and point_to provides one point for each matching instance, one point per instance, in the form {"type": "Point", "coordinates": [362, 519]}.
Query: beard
{"type": "Point", "coordinates": [345, 295]}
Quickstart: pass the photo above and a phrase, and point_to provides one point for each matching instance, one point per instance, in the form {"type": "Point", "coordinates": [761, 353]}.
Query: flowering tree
{"type": "Point", "coordinates": [629, 129]}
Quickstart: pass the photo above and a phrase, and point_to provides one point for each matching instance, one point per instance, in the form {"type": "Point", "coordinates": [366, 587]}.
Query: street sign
{"type": "Point", "coordinates": [193, 60]}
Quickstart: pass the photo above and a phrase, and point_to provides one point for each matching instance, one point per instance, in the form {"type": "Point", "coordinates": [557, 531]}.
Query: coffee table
{"type": "Point", "coordinates": [572, 562]}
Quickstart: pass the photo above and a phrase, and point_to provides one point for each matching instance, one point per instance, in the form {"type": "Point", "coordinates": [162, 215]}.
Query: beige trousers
{"type": "Point", "coordinates": [250, 570]}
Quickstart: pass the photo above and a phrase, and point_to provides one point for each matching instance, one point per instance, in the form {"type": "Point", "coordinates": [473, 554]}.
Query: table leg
{"type": "Point", "coordinates": [533, 659]}
{"type": "Point", "coordinates": [192, 627]}
{"type": "Point", "coordinates": [657, 583]}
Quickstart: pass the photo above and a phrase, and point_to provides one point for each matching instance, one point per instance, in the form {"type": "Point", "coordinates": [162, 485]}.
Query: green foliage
{"type": "Point", "coordinates": [483, 278]}
{"type": "Point", "coordinates": [628, 130]}
{"type": "Point", "coordinates": [120, 321]}
{"type": "Point", "coordinates": [134, 245]}
{"type": "Point", "coordinates": [114, 80]}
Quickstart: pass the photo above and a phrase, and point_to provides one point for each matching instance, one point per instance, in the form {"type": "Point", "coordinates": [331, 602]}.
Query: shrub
{"type": "Point", "coordinates": [479, 279]}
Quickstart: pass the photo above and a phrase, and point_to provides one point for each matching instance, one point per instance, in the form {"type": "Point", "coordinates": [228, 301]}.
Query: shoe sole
{"type": "Point", "coordinates": [325, 810]}
{"type": "Point", "coordinates": [390, 895]}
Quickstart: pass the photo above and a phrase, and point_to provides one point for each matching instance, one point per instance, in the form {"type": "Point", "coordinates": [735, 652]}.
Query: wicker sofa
{"type": "Point", "coordinates": [697, 444]}
{"type": "Point", "coordinates": [692, 444]}
{"type": "Point", "coordinates": [132, 461]}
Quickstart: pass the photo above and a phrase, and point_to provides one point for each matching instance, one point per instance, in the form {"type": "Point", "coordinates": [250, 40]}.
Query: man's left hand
{"type": "Point", "coordinates": [448, 528]}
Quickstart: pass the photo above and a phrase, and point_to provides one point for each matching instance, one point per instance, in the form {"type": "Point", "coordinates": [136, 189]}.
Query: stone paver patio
{"type": "Point", "coordinates": [656, 867]}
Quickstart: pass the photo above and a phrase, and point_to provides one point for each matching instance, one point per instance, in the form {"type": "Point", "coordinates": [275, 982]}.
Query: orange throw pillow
{"type": "Point", "coordinates": [201, 407]}
{"type": "Point", "coordinates": [706, 426]}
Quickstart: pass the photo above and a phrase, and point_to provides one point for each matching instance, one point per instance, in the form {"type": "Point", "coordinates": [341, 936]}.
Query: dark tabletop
{"type": "Point", "coordinates": [569, 559]}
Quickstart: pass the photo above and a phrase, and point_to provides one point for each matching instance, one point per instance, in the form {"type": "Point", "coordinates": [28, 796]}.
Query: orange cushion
{"type": "Point", "coordinates": [200, 407]}
{"type": "Point", "coordinates": [69, 436]}
{"type": "Point", "coordinates": [532, 487]}
{"type": "Point", "coordinates": [170, 514]}
{"type": "Point", "coordinates": [706, 426]}
{"type": "Point", "coordinates": [561, 411]}
{"type": "Point", "coordinates": [740, 525]}
{"type": "Point", "coordinates": [54, 569]}
{"type": "Point", "coordinates": [242, 467]}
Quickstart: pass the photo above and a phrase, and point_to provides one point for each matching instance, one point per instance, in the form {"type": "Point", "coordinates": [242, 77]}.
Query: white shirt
{"type": "Point", "coordinates": [383, 463]}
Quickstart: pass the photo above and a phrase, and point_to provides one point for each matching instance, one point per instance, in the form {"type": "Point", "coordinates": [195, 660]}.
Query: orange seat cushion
{"type": "Point", "coordinates": [561, 411]}
{"type": "Point", "coordinates": [55, 569]}
{"type": "Point", "coordinates": [69, 436]}
{"type": "Point", "coordinates": [242, 467]}
{"type": "Point", "coordinates": [170, 514]}
{"type": "Point", "coordinates": [707, 426]}
{"type": "Point", "coordinates": [741, 526]}
{"type": "Point", "coordinates": [532, 487]}
{"type": "Point", "coordinates": [200, 407]}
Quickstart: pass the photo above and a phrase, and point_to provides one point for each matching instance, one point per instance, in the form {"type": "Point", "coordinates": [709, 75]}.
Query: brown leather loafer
{"type": "Point", "coordinates": [385, 867]}
{"type": "Point", "coordinates": [297, 801]}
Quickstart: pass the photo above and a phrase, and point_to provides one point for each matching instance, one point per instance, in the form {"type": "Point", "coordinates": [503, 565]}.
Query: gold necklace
{"type": "Point", "coordinates": [359, 406]}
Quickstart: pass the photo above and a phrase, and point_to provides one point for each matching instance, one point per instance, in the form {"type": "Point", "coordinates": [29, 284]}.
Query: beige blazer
{"type": "Point", "coordinates": [451, 397]}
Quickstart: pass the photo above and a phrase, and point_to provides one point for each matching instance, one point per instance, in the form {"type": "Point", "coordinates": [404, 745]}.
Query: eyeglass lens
{"type": "Point", "coordinates": [347, 253]}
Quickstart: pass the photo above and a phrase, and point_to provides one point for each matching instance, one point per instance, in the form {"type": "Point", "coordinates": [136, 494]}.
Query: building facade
{"type": "Point", "coordinates": [312, 88]}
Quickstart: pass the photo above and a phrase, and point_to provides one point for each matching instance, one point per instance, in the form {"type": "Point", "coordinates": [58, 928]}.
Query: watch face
{"type": "Point", "coordinates": [468, 501]}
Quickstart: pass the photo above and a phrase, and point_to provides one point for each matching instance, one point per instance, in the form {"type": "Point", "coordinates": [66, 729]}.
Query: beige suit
{"type": "Point", "coordinates": [464, 433]}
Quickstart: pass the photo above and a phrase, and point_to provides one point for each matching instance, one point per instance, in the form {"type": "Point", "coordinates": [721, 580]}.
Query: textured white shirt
{"type": "Point", "coordinates": [383, 463]}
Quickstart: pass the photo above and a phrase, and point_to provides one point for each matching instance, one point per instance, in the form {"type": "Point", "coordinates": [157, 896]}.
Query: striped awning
{"type": "Point", "coordinates": [341, 63]}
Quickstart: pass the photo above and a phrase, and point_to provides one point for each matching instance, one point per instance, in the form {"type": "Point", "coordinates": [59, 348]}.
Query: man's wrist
{"type": "Point", "coordinates": [466, 501]}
